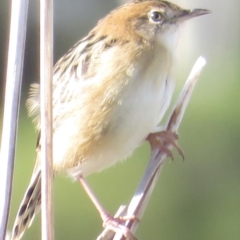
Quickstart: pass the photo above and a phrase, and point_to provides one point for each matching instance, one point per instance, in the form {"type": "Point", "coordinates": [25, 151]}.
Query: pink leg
{"type": "Point", "coordinates": [115, 224]}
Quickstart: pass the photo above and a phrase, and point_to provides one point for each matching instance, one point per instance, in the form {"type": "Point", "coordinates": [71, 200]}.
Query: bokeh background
{"type": "Point", "coordinates": [195, 199]}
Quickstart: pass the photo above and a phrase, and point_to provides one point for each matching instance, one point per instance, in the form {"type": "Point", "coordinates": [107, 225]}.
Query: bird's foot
{"type": "Point", "coordinates": [162, 140]}
{"type": "Point", "coordinates": [116, 224]}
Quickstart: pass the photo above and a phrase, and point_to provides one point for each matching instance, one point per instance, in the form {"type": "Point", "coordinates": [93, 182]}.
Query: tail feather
{"type": "Point", "coordinates": [30, 206]}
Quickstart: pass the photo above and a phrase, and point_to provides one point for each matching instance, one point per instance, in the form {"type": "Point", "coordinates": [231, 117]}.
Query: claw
{"type": "Point", "coordinates": [162, 139]}
{"type": "Point", "coordinates": [115, 224]}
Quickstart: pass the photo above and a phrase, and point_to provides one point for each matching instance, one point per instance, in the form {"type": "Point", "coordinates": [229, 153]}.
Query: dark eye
{"type": "Point", "coordinates": [155, 16]}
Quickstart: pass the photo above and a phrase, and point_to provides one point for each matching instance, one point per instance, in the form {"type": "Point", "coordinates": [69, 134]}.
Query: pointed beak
{"type": "Point", "coordinates": [188, 14]}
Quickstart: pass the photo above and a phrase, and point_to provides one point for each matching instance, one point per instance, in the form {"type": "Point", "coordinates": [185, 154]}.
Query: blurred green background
{"type": "Point", "coordinates": [195, 199]}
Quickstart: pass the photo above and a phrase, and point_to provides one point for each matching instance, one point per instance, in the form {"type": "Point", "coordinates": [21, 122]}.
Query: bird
{"type": "Point", "coordinates": [110, 91]}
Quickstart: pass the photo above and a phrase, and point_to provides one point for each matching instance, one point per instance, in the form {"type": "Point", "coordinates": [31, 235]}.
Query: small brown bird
{"type": "Point", "coordinates": [110, 91]}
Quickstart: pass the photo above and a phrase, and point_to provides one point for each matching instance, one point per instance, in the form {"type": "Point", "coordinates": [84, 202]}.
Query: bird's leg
{"type": "Point", "coordinates": [162, 140]}
{"type": "Point", "coordinates": [115, 224]}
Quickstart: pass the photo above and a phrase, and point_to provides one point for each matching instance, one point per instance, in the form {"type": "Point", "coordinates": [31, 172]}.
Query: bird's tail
{"type": "Point", "coordinates": [30, 205]}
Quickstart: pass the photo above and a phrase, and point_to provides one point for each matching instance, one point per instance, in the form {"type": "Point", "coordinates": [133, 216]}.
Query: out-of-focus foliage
{"type": "Point", "coordinates": [195, 199]}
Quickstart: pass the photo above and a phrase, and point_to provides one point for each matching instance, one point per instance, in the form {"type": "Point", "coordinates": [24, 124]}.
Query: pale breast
{"type": "Point", "coordinates": [138, 111]}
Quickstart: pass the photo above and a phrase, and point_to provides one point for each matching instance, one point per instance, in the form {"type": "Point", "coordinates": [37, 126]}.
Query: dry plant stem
{"type": "Point", "coordinates": [16, 48]}
{"type": "Point", "coordinates": [142, 195]}
{"type": "Point", "coordinates": [46, 73]}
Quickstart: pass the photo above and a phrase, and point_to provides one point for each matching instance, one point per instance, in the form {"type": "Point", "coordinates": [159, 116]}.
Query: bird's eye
{"type": "Point", "coordinates": [155, 16]}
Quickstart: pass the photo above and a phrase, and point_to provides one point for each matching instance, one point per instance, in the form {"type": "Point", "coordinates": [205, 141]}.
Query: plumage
{"type": "Point", "coordinates": [110, 90]}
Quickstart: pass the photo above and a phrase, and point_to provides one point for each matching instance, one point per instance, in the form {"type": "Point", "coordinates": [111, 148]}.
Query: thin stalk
{"type": "Point", "coordinates": [46, 73]}
{"type": "Point", "coordinates": [16, 49]}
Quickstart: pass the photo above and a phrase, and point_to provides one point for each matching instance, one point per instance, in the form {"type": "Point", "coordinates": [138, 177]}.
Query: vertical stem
{"type": "Point", "coordinates": [46, 74]}
{"type": "Point", "coordinates": [16, 49]}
